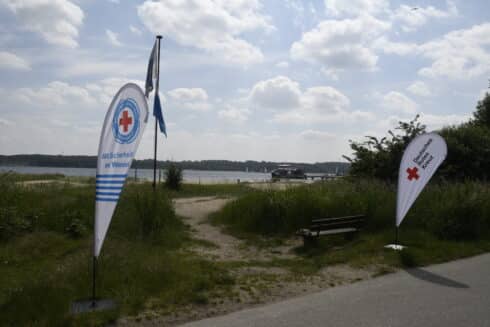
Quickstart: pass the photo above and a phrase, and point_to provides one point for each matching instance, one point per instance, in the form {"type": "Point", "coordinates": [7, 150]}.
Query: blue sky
{"type": "Point", "coordinates": [245, 79]}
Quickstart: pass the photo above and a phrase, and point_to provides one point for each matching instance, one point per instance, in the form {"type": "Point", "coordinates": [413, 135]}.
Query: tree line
{"type": "Point", "coordinates": [41, 160]}
{"type": "Point", "coordinates": [468, 149]}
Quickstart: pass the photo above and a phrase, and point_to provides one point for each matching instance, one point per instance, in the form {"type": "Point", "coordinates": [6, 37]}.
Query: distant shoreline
{"type": "Point", "coordinates": [40, 160]}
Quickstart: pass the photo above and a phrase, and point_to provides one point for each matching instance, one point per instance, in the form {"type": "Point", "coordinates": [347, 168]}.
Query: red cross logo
{"type": "Point", "coordinates": [412, 173]}
{"type": "Point", "coordinates": [125, 121]}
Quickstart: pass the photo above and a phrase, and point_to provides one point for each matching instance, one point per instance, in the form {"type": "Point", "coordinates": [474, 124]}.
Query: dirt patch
{"type": "Point", "coordinates": [279, 185]}
{"type": "Point", "coordinates": [257, 280]}
{"type": "Point", "coordinates": [227, 248]}
{"type": "Point", "coordinates": [49, 181]}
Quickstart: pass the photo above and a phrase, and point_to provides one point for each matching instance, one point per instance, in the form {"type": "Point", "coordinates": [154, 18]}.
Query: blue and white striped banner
{"type": "Point", "coordinates": [108, 187]}
{"type": "Point", "coordinates": [123, 127]}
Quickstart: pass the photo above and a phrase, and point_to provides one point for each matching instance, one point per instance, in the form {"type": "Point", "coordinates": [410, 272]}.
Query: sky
{"type": "Point", "coordinates": [275, 80]}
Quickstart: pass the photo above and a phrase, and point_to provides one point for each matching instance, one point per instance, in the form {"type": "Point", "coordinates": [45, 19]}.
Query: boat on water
{"type": "Point", "coordinates": [288, 172]}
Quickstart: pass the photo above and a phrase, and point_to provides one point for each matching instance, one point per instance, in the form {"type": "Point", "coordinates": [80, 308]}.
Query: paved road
{"type": "Point", "coordinates": [451, 294]}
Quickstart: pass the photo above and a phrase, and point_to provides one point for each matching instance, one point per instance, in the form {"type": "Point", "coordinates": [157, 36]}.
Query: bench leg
{"type": "Point", "coordinates": [350, 236]}
{"type": "Point", "coordinates": [309, 241]}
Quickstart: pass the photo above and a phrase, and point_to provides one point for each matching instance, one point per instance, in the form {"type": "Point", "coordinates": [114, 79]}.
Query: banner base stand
{"type": "Point", "coordinates": [396, 247]}
{"type": "Point", "coordinates": [90, 305]}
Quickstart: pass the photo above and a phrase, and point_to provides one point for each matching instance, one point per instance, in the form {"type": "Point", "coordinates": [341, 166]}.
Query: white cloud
{"type": "Point", "coordinates": [291, 105]}
{"type": "Point", "coordinates": [251, 146]}
{"type": "Point", "coordinates": [276, 93]}
{"type": "Point", "coordinates": [355, 7]}
{"type": "Point", "coordinates": [54, 94]}
{"type": "Point", "coordinates": [190, 98]}
{"type": "Point", "coordinates": [419, 88]}
{"type": "Point", "coordinates": [188, 94]}
{"type": "Point", "coordinates": [315, 135]}
{"type": "Point", "coordinates": [211, 25]}
{"type": "Point", "coordinates": [113, 38]}
{"type": "Point", "coordinates": [104, 90]}
{"type": "Point", "coordinates": [398, 102]}
{"type": "Point", "coordinates": [330, 73]}
{"type": "Point", "coordinates": [411, 18]}
{"type": "Point", "coordinates": [341, 44]}
{"type": "Point", "coordinates": [460, 54]}
{"type": "Point", "coordinates": [11, 61]}
{"type": "Point", "coordinates": [135, 30]}
{"type": "Point", "coordinates": [57, 21]}
{"type": "Point", "coordinates": [6, 122]}
{"type": "Point", "coordinates": [282, 64]}
{"type": "Point", "coordinates": [325, 99]}
{"type": "Point", "coordinates": [234, 115]}
{"type": "Point", "coordinates": [65, 96]}
{"type": "Point", "coordinates": [398, 48]}
{"type": "Point", "coordinates": [435, 122]}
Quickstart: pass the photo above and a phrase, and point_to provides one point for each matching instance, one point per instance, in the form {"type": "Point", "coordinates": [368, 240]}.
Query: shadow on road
{"type": "Point", "coordinates": [433, 278]}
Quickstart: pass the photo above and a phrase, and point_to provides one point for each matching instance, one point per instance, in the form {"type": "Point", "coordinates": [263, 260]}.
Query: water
{"type": "Point", "coordinates": [190, 176]}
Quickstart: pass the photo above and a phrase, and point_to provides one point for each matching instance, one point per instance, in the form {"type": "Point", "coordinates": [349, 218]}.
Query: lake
{"type": "Point", "coordinates": [190, 176]}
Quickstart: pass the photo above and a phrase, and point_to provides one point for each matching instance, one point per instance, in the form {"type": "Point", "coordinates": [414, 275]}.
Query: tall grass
{"type": "Point", "coordinates": [449, 211]}
{"type": "Point", "coordinates": [45, 256]}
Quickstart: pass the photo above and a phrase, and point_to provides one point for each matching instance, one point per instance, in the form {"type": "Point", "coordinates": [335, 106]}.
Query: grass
{"type": "Point", "coordinates": [448, 221]}
{"type": "Point", "coordinates": [451, 211]}
{"type": "Point", "coordinates": [17, 177]}
{"type": "Point", "coordinates": [45, 256]}
{"type": "Point", "coordinates": [145, 265]}
{"type": "Point", "coordinates": [226, 190]}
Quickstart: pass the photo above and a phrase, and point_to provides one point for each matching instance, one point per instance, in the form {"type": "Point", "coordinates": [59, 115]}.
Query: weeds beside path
{"type": "Point", "coordinates": [262, 274]}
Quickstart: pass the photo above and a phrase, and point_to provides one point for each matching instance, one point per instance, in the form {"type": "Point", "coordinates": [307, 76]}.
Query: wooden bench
{"type": "Point", "coordinates": [347, 225]}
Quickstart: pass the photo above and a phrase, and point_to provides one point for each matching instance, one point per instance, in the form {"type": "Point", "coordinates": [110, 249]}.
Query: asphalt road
{"type": "Point", "coordinates": [451, 294]}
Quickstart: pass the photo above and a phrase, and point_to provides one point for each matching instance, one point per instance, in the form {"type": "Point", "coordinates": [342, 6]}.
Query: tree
{"type": "Point", "coordinates": [173, 176]}
{"type": "Point", "coordinates": [468, 149]}
{"type": "Point", "coordinates": [380, 158]}
{"type": "Point", "coordinates": [482, 114]}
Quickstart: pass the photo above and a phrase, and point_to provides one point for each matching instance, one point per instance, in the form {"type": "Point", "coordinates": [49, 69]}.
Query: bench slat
{"type": "Point", "coordinates": [315, 220]}
{"type": "Point", "coordinates": [308, 233]}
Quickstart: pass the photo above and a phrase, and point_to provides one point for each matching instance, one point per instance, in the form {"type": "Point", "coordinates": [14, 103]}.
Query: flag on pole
{"type": "Point", "coordinates": [157, 112]}
{"type": "Point", "coordinates": [151, 72]}
{"type": "Point", "coordinates": [124, 125]}
{"type": "Point", "coordinates": [420, 161]}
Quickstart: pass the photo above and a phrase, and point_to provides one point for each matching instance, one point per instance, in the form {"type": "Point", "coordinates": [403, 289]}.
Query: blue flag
{"type": "Point", "coordinates": [151, 73]}
{"type": "Point", "coordinates": [157, 112]}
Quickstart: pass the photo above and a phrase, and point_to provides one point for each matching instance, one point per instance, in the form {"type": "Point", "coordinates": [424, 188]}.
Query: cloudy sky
{"type": "Point", "coordinates": [244, 79]}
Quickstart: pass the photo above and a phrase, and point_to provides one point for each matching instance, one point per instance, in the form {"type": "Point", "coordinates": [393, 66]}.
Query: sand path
{"type": "Point", "coordinates": [226, 247]}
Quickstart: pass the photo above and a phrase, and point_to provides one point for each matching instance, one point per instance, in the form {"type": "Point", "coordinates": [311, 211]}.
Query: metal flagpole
{"type": "Point", "coordinates": [159, 37]}
{"type": "Point", "coordinates": [94, 274]}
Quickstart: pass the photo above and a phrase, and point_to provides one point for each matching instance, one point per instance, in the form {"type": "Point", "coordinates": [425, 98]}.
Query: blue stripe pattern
{"type": "Point", "coordinates": [106, 200]}
{"type": "Point", "coordinates": [108, 187]}
{"type": "Point", "coordinates": [111, 176]}
{"type": "Point", "coordinates": [109, 182]}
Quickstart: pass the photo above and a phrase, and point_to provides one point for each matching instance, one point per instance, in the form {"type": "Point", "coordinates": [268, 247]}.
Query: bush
{"type": "Point", "coordinates": [456, 211]}
{"type": "Point", "coordinates": [467, 149]}
{"type": "Point", "coordinates": [148, 214]}
{"type": "Point", "coordinates": [75, 229]}
{"type": "Point", "coordinates": [12, 223]}
{"type": "Point", "coordinates": [274, 212]}
{"type": "Point", "coordinates": [173, 176]}
{"type": "Point", "coordinates": [449, 211]}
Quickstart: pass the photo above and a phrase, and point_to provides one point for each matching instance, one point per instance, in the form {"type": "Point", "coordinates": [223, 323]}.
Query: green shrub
{"type": "Point", "coordinates": [449, 211]}
{"type": "Point", "coordinates": [148, 214]}
{"type": "Point", "coordinates": [456, 211]}
{"type": "Point", "coordinates": [75, 229]}
{"type": "Point", "coordinates": [173, 177]}
{"type": "Point", "coordinates": [13, 223]}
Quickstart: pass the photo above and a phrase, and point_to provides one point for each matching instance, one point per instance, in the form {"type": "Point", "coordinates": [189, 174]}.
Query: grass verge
{"type": "Point", "coordinates": [45, 256]}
